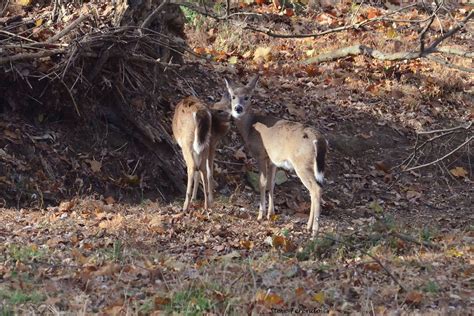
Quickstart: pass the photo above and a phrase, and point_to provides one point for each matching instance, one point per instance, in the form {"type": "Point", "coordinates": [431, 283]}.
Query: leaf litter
{"type": "Point", "coordinates": [103, 255]}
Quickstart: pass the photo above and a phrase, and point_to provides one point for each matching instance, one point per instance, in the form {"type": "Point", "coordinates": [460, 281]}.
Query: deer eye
{"type": "Point", "coordinates": [233, 97]}
{"type": "Point", "coordinates": [247, 98]}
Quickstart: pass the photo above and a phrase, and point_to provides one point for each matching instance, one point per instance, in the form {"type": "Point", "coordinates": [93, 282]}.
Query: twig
{"type": "Point", "coordinates": [416, 148]}
{"type": "Point", "coordinates": [425, 29]}
{"type": "Point", "coordinates": [151, 16]}
{"type": "Point", "coordinates": [450, 65]}
{"type": "Point", "coordinates": [451, 32]}
{"type": "Point", "coordinates": [454, 51]}
{"type": "Point", "coordinates": [414, 240]}
{"type": "Point", "coordinates": [467, 126]}
{"type": "Point", "coordinates": [68, 28]}
{"type": "Point", "coordinates": [72, 97]}
{"type": "Point", "coordinates": [227, 9]}
{"type": "Point", "coordinates": [442, 158]}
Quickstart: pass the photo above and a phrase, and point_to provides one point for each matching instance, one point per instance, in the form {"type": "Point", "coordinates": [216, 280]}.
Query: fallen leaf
{"type": "Point", "coordinates": [232, 60]}
{"type": "Point", "coordinates": [413, 297]}
{"type": "Point", "coordinates": [413, 195]}
{"type": "Point", "coordinates": [273, 299]}
{"type": "Point", "coordinates": [230, 255]}
{"type": "Point", "coordinates": [459, 172]}
{"type": "Point", "coordinates": [95, 165]}
{"type": "Point", "coordinates": [372, 266]}
{"type": "Point", "coordinates": [262, 54]}
{"type": "Point", "coordinates": [247, 244]}
{"type": "Point", "coordinates": [109, 200]}
{"type": "Point", "coordinates": [161, 301]}
{"type": "Point", "coordinates": [373, 13]}
{"type": "Point", "coordinates": [289, 12]}
{"type": "Point", "coordinates": [319, 297]}
{"type": "Point", "coordinates": [240, 154]}
{"type": "Point", "coordinates": [300, 291]}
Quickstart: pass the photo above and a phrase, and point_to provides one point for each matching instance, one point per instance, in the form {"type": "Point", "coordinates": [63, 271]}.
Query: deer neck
{"type": "Point", "coordinates": [244, 125]}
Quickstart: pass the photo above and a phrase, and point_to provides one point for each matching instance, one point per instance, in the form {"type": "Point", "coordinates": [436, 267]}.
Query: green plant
{"type": "Point", "coordinates": [117, 254]}
{"type": "Point", "coordinates": [192, 17]}
{"type": "Point", "coordinates": [20, 297]}
{"type": "Point", "coordinates": [315, 248]}
{"type": "Point", "coordinates": [146, 307]}
{"type": "Point", "coordinates": [6, 311]}
{"type": "Point", "coordinates": [25, 254]}
{"type": "Point", "coordinates": [431, 287]}
{"type": "Point", "coordinates": [189, 302]}
{"type": "Point", "coordinates": [427, 233]}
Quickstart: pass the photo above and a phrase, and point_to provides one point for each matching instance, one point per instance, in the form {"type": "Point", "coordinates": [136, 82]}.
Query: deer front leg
{"type": "Point", "coordinates": [271, 184]}
{"type": "Point", "coordinates": [263, 187]}
{"type": "Point", "coordinates": [315, 210]}
{"type": "Point", "coordinates": [210, 181]}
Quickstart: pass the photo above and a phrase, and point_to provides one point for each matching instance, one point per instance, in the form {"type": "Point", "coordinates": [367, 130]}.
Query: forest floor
{"type": "Point", "coordinates": [389, 241]}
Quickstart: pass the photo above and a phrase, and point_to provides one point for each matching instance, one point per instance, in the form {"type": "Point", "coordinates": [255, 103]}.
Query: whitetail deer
{"type": "Point", "coordinates": [197, 131]}
{"type": "Point", "coordinates": [192, 123]}
{"type": "Point", "coordinates": [275, 142]}
{"type": "Point", "coordinates": [220, 127]}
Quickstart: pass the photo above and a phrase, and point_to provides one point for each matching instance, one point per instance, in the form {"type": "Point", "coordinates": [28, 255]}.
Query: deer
{"type": "Point", "coordinates": [198, 130]}
{"type": "Point", "coordinates": [192, 123]}
{"type": "Point", "coordinates": [220, 127]}
{"type": "Point", "coordinates": [278, 143]}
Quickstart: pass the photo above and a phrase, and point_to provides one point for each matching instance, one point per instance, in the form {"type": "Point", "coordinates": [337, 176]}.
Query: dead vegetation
{"type": "Point", "coordinates": [389, 242]}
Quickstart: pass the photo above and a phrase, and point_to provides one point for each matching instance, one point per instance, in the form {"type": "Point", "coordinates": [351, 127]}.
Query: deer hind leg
{"type": "Point", "coordinates": [271, 186]}
{"type": "Point", "coordinates": [263, 186]}
{"type": "Point", "coordinates": [195, 185]}
{"type": "Point", "coordinates": [205, 174]}
{"type": "Point", "coordinates": [191, 168]}
{"type": "Point", "coordinates": [306, 176]}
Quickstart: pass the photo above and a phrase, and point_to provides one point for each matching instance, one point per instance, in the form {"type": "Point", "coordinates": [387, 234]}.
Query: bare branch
{"type": "Point", "coordinates": [441, 158]}
{"type": "Point", "coordinates": [152, 15]}
{"type": "Point", "coordinates": [467, 126]}
{"type": "Point", "coordinates": [29, 56]}
{"type": "Point", "coordinates": [334, 30]}
{"type": "Point", "coordinates": [360, 50]}
{"type": "Point", "coordinates": [68, 29]}
{"type": "Point", "coordinates": [451, 32]}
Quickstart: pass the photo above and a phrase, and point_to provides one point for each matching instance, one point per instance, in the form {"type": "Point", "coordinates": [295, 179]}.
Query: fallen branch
{"type": "Point", "coordinates": [412, 239]}
{"type": "Point", "coordinates": [356, 50]}
{"type": "Point", "coordinates": [451, 32]}
{"type": "Point", "coordinates": [30, 56]}
{"type": "Point", "coordinates": [68, 29]}
{"type": "Point", "coordinates": [360, 50]}
{"type": "Point", "coordinates": [450, 65]}
{"type": "Point", "coordinates": [454, 51]}
{"type": "Point", "coordinates": [443, 132]}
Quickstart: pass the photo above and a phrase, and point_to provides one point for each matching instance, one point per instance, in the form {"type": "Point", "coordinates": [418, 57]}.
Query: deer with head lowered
{"type": "Point", "coordinates": [275, 142]}
{"type": "Point", "coordinates": [198, 130]}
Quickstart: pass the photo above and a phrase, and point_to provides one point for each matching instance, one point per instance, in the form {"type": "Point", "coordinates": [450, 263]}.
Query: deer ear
{"type": "Point", "coordinates": [228, 85]}
{"type": "Point", "coordinates": [253, 82]}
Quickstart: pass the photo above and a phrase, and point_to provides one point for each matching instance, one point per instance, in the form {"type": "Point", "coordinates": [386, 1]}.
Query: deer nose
{"type": "Point", "coordinates": [239, 109]}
